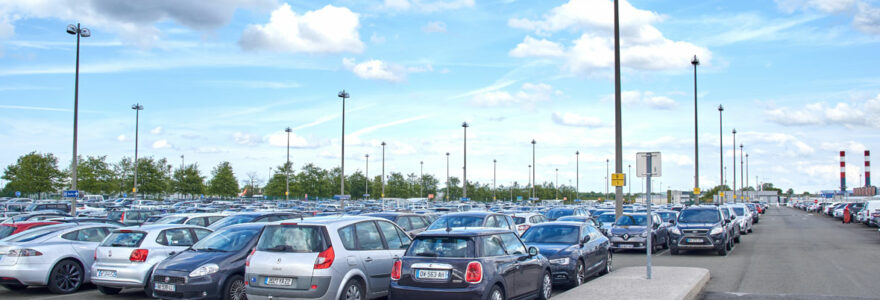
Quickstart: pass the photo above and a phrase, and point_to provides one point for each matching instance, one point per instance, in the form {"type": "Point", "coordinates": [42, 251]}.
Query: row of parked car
{"type": "Point", "coordinates": [270, 255]}
{"type": "Point", "coordinates": [866, 211]}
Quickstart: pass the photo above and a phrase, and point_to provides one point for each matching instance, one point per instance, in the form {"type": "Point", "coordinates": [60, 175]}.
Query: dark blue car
{"type": "Point", "coordinates": [474, 264]}
{"type": "Point", "coordinates": [213, 268]}
{"type": "Point", "coordinates": [700, 228]}
{"type": "Point", "coordinates": [575, 250]}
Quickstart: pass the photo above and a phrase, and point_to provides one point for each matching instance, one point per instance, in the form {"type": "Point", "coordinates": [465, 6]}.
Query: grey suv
{"type": "Point", "coordinates": [347, 257]}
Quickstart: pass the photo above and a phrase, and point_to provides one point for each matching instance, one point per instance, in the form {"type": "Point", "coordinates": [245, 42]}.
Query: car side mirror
{"type": "Point", "coordinates": [585, 240]}
{"type": "Point", "coordinates": [672, 222]}
{"type": "Point", "coordinates": [533, 251]}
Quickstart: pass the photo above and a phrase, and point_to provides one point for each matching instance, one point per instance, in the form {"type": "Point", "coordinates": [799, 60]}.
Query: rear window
{"type": "Point", "coordinates": [456, 222]}
{"type": "Point", "coordinates": [124, 239]}
{"type": "Point", "coordinates": [114, 215]}
{"type": "Point", "coordinates": [171, 220]}
{"type": "Point", "coordinates": [519, 220]}
{"type": "Point", "coordinates": [286, 238]}
{"type": "Point", "coordinates": [429, 246]}
{"type": "Point", "coordinates": [6, 231]}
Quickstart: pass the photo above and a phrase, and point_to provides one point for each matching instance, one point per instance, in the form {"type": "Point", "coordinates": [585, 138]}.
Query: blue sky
{"type": "Point", "coordinates": [220, 80]}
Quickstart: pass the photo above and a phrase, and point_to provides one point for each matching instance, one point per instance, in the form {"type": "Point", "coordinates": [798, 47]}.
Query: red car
{"type": "Point", "coordinates": [13, 228]}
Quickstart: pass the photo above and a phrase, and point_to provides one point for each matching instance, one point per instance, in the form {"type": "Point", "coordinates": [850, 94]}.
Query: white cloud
{"type": "Point", "coordinates": [528, 94]}
{"type": "Point", "coordinates": [380, 70]}
{"type": "Point", "coordinates": [826, 6]}
{"type": "Point", "coordinates": [377, 39]}
{"type": "Point", "coordinates": [330, 29]}
{"type": "Point", "coordinates": [646, 99]}
{"type": "Point", "coordinates": [122, 138]}
{"type": "Point", "coordinates": [279, 139]}
{"type": "Point", "coordinates": [157, 130]}
{"type": "Point", "coordinates": [428, 5]}
{"type": "Point", "coordinates": [866, 18]}
{"type": "Point", "coordinates": [643, 46]}
{"type": "Point", "coordinates": [435, 26]}
{"type": "Point", "coordinates": [841, 113]}
{"type": "Point", "coordinates": [571, 119]}
{"type": "Point", "coordinates": [845, 146]}
{"type": "Point", "coordinates": [788, 143]}
{"type": "Point", "coordinates": [246, 139]}
{"type": "Point", "coordinates": [162, 144]}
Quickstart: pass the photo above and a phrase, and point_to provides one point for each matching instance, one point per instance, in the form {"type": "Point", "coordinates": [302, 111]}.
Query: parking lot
{"type": "Point", "coordinates": [791, 253]}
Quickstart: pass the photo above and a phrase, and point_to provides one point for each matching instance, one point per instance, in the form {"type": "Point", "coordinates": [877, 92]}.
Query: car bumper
{"type": "Point", "coordinates": [474, 292]}
{"type": "Point", "coordinates": [636, 242]}
{"type": "Point", "coordinates": [690, 242]}
{"type": "Point", "coordinates": [27, 274]}
{"type": "Point", "coordinates": [324, 284]}
{"type": "Point", "coordinates": [564, 274]}
{"type": "Point", "coordinates": [127, 276]}
{"type": "Point", "coordinates": [185, 287]}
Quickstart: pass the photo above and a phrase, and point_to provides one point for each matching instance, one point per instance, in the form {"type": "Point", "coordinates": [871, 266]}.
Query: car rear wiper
{"type": "Point", "coordinates": [427, 254]}
{"type": "Point", "coordinates": [118, 245]}
{"type": "Point", "coordinates": [280, 248]}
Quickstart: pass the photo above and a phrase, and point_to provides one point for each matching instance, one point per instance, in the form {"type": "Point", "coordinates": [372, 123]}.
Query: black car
{"type": "Point", "coordinates": [631, 231]}
{"type": "Point", "coordinates": [411, 223]}
{"type": "Point", "coordinates": [470, 264]}
{"type": "Point", "coordinates": [700, 228]}
{"type": "Point", "coordinates": [253, 217]}
{"type": "Point", "coordinates": [556, 213]}
{"type": "Point", "coordinates": [575, 250]}
{"type": "Point", "coordinates": [213, 268]}
{"type": "Point", "coordinates": [473, 220]}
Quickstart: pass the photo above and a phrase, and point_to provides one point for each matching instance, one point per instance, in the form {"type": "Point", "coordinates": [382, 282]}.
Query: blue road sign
{"type": "Point", "coordinates": [465, 199]}
{"type": "Point", "coordinates": [342, 197]}
{"type": "Point", "coordinates": [70, 194]}
{"type": "Point", "coordinates": [124, 195]}
{"type": "Point", "coordinates": [518, 198]}
{"type": "Point", "coordinates": [18, 194]}
{"type": "Point", "coordinates": [366, 195]}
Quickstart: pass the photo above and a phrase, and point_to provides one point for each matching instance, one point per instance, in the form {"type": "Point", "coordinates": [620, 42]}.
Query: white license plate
{"type": "Point", "coordinates": [279, 281]}
{"type": "Point", "coordinates": [163, 287]}
{"type": "Point", "coordinates": [107, 273]}
{"type": "Point", "coordinates": [432, 274]}
{"type": "Point", "coordinates": [626, 246]}
{"type": "Point", "coordinates": [696, 241]}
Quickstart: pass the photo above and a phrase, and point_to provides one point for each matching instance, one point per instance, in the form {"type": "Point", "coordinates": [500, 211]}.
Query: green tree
{"type": "Point", "coordinates": [223, 182]}
{"type": "Point", "coordinates": [34, 173]}
{"type": "Point", "coordinates": [96, 176]}
{"type": "Point", "coordinates": [153, 176]}
{"type": "Point", "coordinates": [189, 181]}
{"type": "Point", "coordinates": [276, 186]}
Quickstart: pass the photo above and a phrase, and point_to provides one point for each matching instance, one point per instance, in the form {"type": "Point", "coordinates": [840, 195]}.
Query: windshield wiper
{"type": "Point", "coordinates": [118, 245]}
{"type": "Point", "coordinates": [427, 254]}
{"type": "Point", "coordinates": [280, 248]}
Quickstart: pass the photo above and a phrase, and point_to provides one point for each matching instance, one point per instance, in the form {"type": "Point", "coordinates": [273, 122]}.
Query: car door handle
{"type": "Point", "coordinates": [368, 259]}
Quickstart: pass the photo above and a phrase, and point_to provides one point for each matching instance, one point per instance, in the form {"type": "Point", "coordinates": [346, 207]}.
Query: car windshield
{"type": "Point", "coordinates": [606, 218]}
{"type": "Point", "coordinates": [227, 239]}
{"type": "Point", "coordinates": [572, 219]}
{"type": "Point", "coordinates": [124, 238]}
{"type": "Point", "coordinates": [551, 235]}
{"type": "Point", "coordinates": [170, 220]}
{"type": "Point", "coordinates": [739, 211]}
{"type": "Point", "coordinates": [554, 214]}
{"type": "Point", "coordinates": [287, 238]}
{"type": "Point", "coordinates": [114, 215]}
{"type": "Point", "coordinates": [699, 216]}
{"type": "Point", "coordinates": [519, 220]}
{"type": "Point", "coordinates": [440, 247]}
{"type": "Point", "coordinates": [632, 220]}
{"type": "Point", "coordinates": [232, 220]}
{"type": "Point", "coordinates": [456, 222]}
{"type": "Point", "coordinates": [667, 216]}
{"type": "Point", "coordinates": [6, 231]}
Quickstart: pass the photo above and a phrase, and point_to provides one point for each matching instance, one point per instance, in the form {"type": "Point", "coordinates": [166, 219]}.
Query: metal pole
{"type": "Point", "coordinates": [734, 167]}
{"type": "Point", "coordinates": [494, 178]}
{"type": "Point", "coordinates": [286, 168]}
{"type": "Point", "coordinates": [577, 176]}
{"type": "Point", "coordinates": [747, 170]}
{"type": "Point", "coordinates": [741, 172]}
{"type": "Point", "coordinates": [137, 109]}
{"type": "Point", "coordinates": [556, 185]}
{"type": "Point", "coordinates": [629, 179]}
{"type": "Point", "coordinates": [448, 191]}
{"type": "Point", "coordinates": [342, 95]}
{"type": "Point", "coordinates": [535, 167]}
{"type": "Point", "coordinates": [696, 62]}
{"type": "Point", "coordinates": [75, 120]}
{"type": "Point", "coordinates": [383, 172]}
{"type": "Point", "coordinates": [606, 177]}
{"type": "Point", "coordinates": [367, 181]}
{"type": "Point", "coordinates": [720, 151]}
{"type": "Point", "coordinates": [649, 246]}
{"type": "Point", "coordinates": [421, 177]}
{"type": "Point", "coordinates": [618, 136]}
{"type": "Point", "coordinates": [530, 182]}
{"type": "Point", "coordinates": [464, 182]}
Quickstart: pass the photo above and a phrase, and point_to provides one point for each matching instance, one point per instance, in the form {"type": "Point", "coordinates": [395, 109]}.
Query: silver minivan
{"type": "Point", "coordinates": [348, 257]}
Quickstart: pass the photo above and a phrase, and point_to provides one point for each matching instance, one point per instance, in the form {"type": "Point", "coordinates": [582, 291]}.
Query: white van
{"type": "Point", "coordinates": [864, 215]}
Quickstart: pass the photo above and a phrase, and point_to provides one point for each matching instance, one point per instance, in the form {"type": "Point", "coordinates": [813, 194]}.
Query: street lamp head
{"type": "Point", "coordinates": [695, 61]}
{"type": "Point", "coordinates": [85, 32]}
{"type": "Point", "coordinates": [577, 153]}
{"type": "Point", "coordinates": [740, 146]}
{"type": "Point", "coordinates": [720, 107]}
{"type": "Point", "coordinates": [533, 142]}
{"type": "Point", "coordinates": [421, 162]}
{"type": "Point", "coordinates": [383, 144]}
{"type": "Point", "coordinates": [288, 130]}
{"type": "Point", "coordinates": [71, 29]}
{"type": "Point", "coordinates": [447, 153]}
{"type": "Point", "coordinates": [343, 95]}
{"type": "Point", "coordinates": [137, 107]}
{"type": "Point", "coordinates": [465, 125]}
{"type": "Point", "coordinates": [734, 131]}
{"type": "Point", "coordinates": [494, 161]}
{"type": "Point", "coordinates": [367, 155]}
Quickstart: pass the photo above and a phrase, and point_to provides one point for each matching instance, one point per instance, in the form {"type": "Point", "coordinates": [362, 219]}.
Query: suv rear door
{"type": "Point", "coordinates": [285, 256]}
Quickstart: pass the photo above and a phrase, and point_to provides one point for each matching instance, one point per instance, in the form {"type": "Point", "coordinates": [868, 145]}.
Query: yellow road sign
{"type": "Point", "coordinates": [134, 190]}
{"type": "Point", "coordinates": [617, 182]}
{"type": "Point", "coordinates": [618, 176]}
{"type": "Point", "coordinates": [720, 194]}
{"type": "Point", "coordinates": [696, 191]}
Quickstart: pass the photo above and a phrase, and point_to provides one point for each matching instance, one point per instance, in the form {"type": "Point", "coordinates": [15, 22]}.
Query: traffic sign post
{"type": "Point", "coordinates": [465, 199]}
{"type": "Point", "coordinates": [618, 179]}
{"type": "Point", "coordinates": [17, 194]}
{"type": "Point", "coordinates": [71, 194]}
{"type": "Point", "coordinates": [342, 197]}
{"type": "Point", "coordinates": [648, 165]}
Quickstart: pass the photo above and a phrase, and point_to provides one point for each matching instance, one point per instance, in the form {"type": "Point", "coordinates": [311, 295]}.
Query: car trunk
{"type": "Point", "coordinates": [285, 256]}
{"type": "Point", "coordinates": [423, 272]}
{"type": "Point", "coordinates": [117, 248]}
{"type": "Point", "coordinates": [6, 260]}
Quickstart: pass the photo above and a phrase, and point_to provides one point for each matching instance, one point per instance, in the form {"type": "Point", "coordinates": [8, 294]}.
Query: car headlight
{"type": "Point", "coordinates": [717, 230]}
{"type": "Point", "coordinates": [207, 269]}
{"type": "Point", "coordinates": [560, 261]}
{"type": "Point", "coordinates": [674, 230]}
{"type": "Point", "coordinates": [644, 234]}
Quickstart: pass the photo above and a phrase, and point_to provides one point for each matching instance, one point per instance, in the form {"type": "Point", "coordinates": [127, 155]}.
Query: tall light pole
{"type": "Point", "coordinates": [494, 177]}
{"type": "Point", "coordinates": [287, 167]}
{"type": "Point", "coordinates": [383, 171]}
{"type": "Point", "coordinates": [421, 177]}
{"type": "Point", "coordinates": [696, 62]}
{"type": "Point", "coordinates": [79, 32]}
{"type": "Point", "coordinates": [465, 126]}
{"type": "Point", "coordinates": [741, 180]}
{"type": "Point", "coordinates": [577, 175]}
{"type": "Point", "coordinates": [629, 179]}
{"type": "Point", "coordinates": [530, 182]}
{"type": "Point", "coordinates": [618, 119]}
{"type": "Point", "coordinates": [721, 150]}
{"type": "Point", "coordinates": [534, 181]}
{"type": "Point", "coordinates": [448, 191]}
{"type": "Point", "coordinates": [137, 113]}
{"type": "Point", "coordinates": [181, 162]}
{"type": "Point", "coordinates": [747, 171]}
{"type": "Point", "coordinates": [367, 181]}
{"type": "Point", "coordinates": [556, 185]}
{"type": "Point", "coordinates": [734, 166]}
{"type": "Point", "coordinates": [342, 95]}
{"type": "Point", "coordinates": [606, 177]}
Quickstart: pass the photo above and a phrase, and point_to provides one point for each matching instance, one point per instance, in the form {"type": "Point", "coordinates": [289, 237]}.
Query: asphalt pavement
{"type": "Point", "coordinates": [791, 255]}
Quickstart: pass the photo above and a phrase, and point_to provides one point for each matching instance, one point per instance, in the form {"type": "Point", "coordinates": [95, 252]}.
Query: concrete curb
{"type": "Point", "coordinates": [672, 283]}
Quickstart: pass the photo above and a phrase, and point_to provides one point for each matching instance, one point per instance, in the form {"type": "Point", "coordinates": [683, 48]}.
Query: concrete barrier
{"type": "Point", "coordinates": [672, 283]}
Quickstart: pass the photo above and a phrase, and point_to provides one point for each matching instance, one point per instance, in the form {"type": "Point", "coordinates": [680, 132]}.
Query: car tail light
{"type": "Point", "coordinates": [474, 273]}
{"type": "Point", "coordinates": [95, 258]}
{"type": "Point", "coordinates": [395, 270]}
{"type": "Point", "coordinates": [247, 263]}
{"type": "Point", "coordinates": [139, 255]}
{"type": "Point", "coordinates": [122, 219]}
{"type": "Point", "coordinates": [523, 227]}
{"type": "Point", "coordinates": [325, 258]}
{"type": "Point", "coordinates": [24, 253]}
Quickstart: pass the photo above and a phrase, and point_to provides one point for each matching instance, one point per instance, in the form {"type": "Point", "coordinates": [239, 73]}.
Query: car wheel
{"type": "Point", "coordinates": [15, 287]}
{"type": "Point", "coordinates": [66, 277]}
{"type": "Point", "coordinates": [546, 287]}
{"type": "Point", "coordinates": [581, 274]}
{"type": "Point", "coordinates": [609, 264]}
{"type": "Point", "coordinates": [496, 293]}
{"type": "Point", "coordinates": [353, 291]}
{"type": "Point", "coordinates": [234, 289]}
{"type": "Point", "coordinates": [736, 239]}
{"type": "Point", "coordinates": [666, 243]}
{"type": "Point", "coordinates": [109, 290]}
{"type": "Point", "coordinates": [148, 285]}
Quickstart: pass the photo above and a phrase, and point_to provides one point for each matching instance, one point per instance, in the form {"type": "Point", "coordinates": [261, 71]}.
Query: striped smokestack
{"type": "Point", "coordinates": [843, 171]}
{"type": "Point", "coordinates": [867, 168]}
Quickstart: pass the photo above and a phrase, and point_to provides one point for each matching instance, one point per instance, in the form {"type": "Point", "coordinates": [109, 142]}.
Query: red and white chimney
{"type": "Point", "coordinates": [843, 171]}
{"type": "Point", "coordinates": [867, 168]}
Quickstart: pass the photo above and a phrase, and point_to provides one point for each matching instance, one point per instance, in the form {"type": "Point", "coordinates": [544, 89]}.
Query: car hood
{"type": "Point", "coordinates": [552, 250]}
{"type": "Point", "coordinates": [189, 260]}
{"type": "Point", "coordinates": [697, 225]}
{"type": "Point", "coordinates": [631, 230]}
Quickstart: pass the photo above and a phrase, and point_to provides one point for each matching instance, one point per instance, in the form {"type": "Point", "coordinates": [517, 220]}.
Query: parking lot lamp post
{"type": "Point", "coordinates": [287, 167]}
{"type": "Point", "coordinates": [734, 167]}
{"type": "Point", "coordinates": [577, 174]}
{"type": "Point", "coordinates": [494, 177]}
{"type": "Point", "coordinates": [606, 177]}
{"type": "Point", "coordinates": [747, 170]}
{"type": "Point", "coordinates": [721, 151]}
{"type": "Point", "coordinates": [530, 182]}
{"type": "Point", "coordinates": [342, 95]}
{"type": "Point", "coordinates": [447, 177]}
{"type": "Point", "coordinates": [383, 171]}
{"type": "Point", "coordinates": [628, 179]}
{"type": "Point", "coordinates": [464, 125]}
{"type": "Point", "coordinates": [137, 109]}
{"type": "Point", "coordinates": [741, 170]}
{"type": "Point", "coordinates": [556, 185]}
{"type": "Point", "coordinates": [79, 32]}
{"type": "Point", "coordinates": [534, 181]}
{"type": "Point", "coordinates": [696, 62]}
{"type": "Point", "coordinates": [367, 176]}
{"type": "Point", "coordinates": [421, 177]}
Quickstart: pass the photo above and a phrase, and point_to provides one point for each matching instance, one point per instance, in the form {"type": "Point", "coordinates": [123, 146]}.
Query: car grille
{"type": "Point", "coordinates": [169, 279]}
{"type": "Point", "coordinates": [695, 231]}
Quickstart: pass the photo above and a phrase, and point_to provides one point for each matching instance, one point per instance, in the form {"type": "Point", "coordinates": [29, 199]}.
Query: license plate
{"type": "Point", "coordinates": [107, 273]}
{"type": "Point", "coordinates": [626, 246]}
{"type": "Point", "coordinates": [432, 274]}
{"type": "Point", "coordinates": [163, 287]}
{"type": "Point", "coordinates": [697, 241]}
{"type": "Point", "coordinates": [279, 281]}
